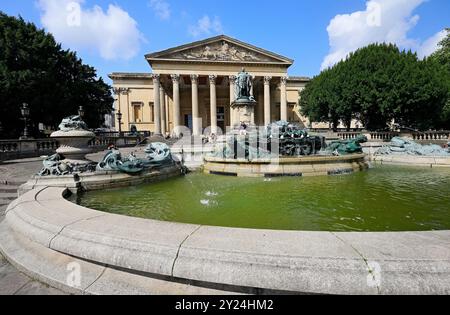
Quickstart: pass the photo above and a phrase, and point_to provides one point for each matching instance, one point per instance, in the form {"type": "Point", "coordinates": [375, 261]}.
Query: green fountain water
{"type": "Point", "coordinates": [383, 199]}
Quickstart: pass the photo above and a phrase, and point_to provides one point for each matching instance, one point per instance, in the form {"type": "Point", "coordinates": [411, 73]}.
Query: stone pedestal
{"type": "Point", "coordinates": [244, 112]}
{"type": "Point", "coordinates": [74, 145]}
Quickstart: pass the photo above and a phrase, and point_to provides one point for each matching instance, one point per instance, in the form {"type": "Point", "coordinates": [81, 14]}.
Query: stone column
{"type": "Point", "coordinates": [195, 109]}
{"type": "Point", "coordinates": [213, 97]}
{"type": "Point", "coordinates": [283, 100]}
{"type": "Point", "coordinates": [232, 79]}
{"type": "Point", "coordinates": [267, 114]}
{"type": "Point", "coordinates": [157, 104]}
{"type": "Point", "coordinates": [162, 96]}
{"type": "Point", "coordinates": [176, 104]}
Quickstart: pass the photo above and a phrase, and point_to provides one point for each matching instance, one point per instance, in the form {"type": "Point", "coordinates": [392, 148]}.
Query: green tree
{"type": "Point", "coordinates": [442, 58]}
{"type": "Point", "coordinates": [34, 69]}
{"type": "Point", "coordinates": [376, 85]}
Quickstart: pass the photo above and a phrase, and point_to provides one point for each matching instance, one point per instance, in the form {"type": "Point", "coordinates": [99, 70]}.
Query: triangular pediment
{"type": "Point", "coordinates": [220, 49]}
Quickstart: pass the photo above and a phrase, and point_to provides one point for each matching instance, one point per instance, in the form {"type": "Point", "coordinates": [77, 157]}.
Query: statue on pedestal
{"type": "Point", "coordinates": [244, 86]}
{"type": "Point", "coordinates": [243, 108]}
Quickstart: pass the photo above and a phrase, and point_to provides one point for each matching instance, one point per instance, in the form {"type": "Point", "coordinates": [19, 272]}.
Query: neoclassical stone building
{"type": "Point", "coordinates": [193, 86]}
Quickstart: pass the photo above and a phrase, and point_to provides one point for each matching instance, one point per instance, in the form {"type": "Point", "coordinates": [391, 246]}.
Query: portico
{"type": "Point", "coordinates": [193, 86]}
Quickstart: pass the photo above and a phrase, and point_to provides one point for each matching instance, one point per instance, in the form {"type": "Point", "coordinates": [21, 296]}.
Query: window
{"type": "Point", "coordinates": [152, 112]}
{"type": "Point", "coordinates": [292, 114]}
{"type": "Point", "coordinates": [137, 112]}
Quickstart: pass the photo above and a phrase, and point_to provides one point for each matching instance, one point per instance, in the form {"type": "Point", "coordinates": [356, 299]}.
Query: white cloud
{"type": "Point", "coordinates": [431, 45]}
{"type": "Point", "coordinates": [161, 8]}
{"type": "Point", "coordinates": [206, 26]}
{"type": "Point", "coordinates": [111, 33]}
{"type": "Point", "coordinates": [382, 21]}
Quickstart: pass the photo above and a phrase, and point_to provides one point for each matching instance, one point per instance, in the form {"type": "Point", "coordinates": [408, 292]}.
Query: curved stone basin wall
{"type": "Point", "coordinates": [428, 161]}
{"type": "Point", "coordinates": [301, 166]}
{"type": "Point", "coordinates": [307, 262]}
{"type": "Point", "coordinates": [101, 180]}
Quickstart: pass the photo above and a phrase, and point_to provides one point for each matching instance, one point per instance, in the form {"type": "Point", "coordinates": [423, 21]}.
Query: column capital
{"type": "Point", "coordinates": [232, 78]}
{"type": "Point", "coordinates": [155, 78]}
{"type": "Point", "coordinates": [212, 79]}
{"type": "Point", "coordinates": [175, 78]}
{"type": "Point", "coordinates": [283, 80]}
{"type": "Point", "coordinates": [118, 91]}
{"type": "Point", "coordinates": [194, 78]}
{"type": "Point", "coordinates": [267, 79]}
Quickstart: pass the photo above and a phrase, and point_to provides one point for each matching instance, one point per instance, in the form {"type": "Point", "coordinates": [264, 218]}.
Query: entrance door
{"type": "Point", "coordinates": [221, 118]}
{"type": "Point", "coordinates": [188, 122]}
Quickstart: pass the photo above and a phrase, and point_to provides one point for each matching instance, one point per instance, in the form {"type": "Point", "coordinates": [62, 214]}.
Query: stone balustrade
{"type": "Point", "coordinates": [388, 135]}
{"type": "Point", "coordinates": [348, 135]}
{"type": "Point", "coordinates": [371, 136]}
{"type": "Point", "coordinates": [431, 135]}
{"type": "Point", "coordinates": [383, 136]}
{"type": "Point", "coordinates": [18, 149]}
{"type": "Point", "coordinates": [13, 149]}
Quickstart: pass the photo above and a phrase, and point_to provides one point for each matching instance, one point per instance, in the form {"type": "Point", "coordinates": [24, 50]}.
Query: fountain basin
{"type": "Point", "coordinates": [382, 199]}
{"type": "Point", "coordinates": [261, 261]}
{"type": "Point", "coordinates": [298, 166]}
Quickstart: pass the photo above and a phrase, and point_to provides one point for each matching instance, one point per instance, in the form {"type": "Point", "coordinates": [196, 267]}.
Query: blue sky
{"type": "Point", "coordinates": [114, 35]}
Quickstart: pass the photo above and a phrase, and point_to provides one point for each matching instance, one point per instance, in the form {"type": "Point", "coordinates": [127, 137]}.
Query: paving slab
{"type": "Point", "coordinates": [116, 282]}
{"type": "Point", "coordinates": [2, 261]}
{"type": "Point", "coordinates": [63, 272]}
{"type": "Point", "coordinates": [17, 172]}
{"type": "Point", "coordinates": [11, 281]}
{"type": "Point", "coordinates": [37, 288]}
{"type": "Point", "coordinates": [2, 211]}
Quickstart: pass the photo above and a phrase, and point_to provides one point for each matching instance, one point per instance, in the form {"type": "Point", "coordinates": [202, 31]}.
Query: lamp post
{"type": "Point", "coordinates": [25, 111]}
{"type": "Point", "coordinates": [330, 125]}
{"type": "Point", "coordinates": [119, 119]}
{"type": "Point", "coordinates": [81, 112]}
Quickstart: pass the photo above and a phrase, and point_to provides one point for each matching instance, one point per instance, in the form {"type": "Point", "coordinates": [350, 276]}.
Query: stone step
{"type": "Point", "coordinates": [8, 196]}
{"type": "Point", "coordinates": [6, 182]}
{"type": "Point", "coordinates": [2, 212]}
{"type": "Point", "coordinates": [9, 189]}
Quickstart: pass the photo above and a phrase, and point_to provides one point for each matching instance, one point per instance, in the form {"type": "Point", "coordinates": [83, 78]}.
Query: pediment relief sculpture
{"type": "Point", "coordinates": [221, 51]}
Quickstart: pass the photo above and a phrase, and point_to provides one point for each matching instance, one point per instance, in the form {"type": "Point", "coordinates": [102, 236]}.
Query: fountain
{"type": "Point", "coordinates": [280, 149]}
{"type": "Point", "coordinates": [407, 152]}
{"type": "Point", "coordinates": [73, 136]}
{"type": "Point", "coordinates": [402, 146]}
{"type": "Point", "coordinates": [234, 234]}
{"type": "Point", "coordinates": [70, 168]}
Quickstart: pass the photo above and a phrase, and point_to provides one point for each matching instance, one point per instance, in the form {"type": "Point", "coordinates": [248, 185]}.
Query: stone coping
{"type": "Point", "coordinates": [299, 166]}
{"type": "Point", "coordinates": [287, 160]}
{"type": "Point", "coordinates": [428, 161]}
{"type": "Point", "coordinates": [286, 261]}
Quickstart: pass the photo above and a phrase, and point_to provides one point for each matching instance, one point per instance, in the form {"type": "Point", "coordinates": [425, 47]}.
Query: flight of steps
{"type": "Point", "coordinates": [8, 193]}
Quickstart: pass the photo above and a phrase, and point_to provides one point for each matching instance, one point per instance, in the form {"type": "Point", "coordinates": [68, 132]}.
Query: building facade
{"type": "Point", "coordinates": [191, 87]}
